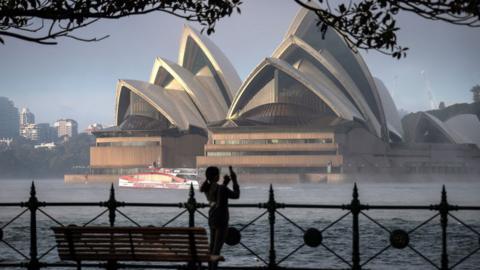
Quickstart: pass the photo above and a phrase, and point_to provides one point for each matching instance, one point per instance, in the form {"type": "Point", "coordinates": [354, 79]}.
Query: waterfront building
{"type": "Point", "coordinates": [9, 119]}
{"type": "Point", "coordinates": [164, 121]}
{"type": "Point", "coordinates": [300, 111]}
{"type": "Point", "coordinates": [66, 128]}
{"type": "Point", "coordinates": [310, 110]}
{"type": "Point", "coordinates": [26, 117]}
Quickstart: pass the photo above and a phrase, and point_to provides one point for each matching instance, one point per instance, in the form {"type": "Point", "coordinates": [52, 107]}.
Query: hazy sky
{"type": "Point", "coordinates": [77, 80]}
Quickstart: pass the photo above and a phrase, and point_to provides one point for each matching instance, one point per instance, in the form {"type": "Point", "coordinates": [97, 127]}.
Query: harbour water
{"type": "Point", "coordinates": [426, 240]}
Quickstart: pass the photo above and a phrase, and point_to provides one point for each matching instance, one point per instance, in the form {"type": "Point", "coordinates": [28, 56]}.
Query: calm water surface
{"type": "Point", "coordinates": [288, 237]}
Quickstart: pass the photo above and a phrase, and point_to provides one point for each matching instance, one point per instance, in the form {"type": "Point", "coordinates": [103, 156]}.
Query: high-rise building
{"type": "Point", "coordinates": [26, 117]}
{"type": "Point", "coordinates": [66, 128]}
{"type": "Point", "coordinates": [41, 132]}
{"type": "Point", "coordinates": [27, 124]}
{"type": "Point", "coordinates": [9, 119]}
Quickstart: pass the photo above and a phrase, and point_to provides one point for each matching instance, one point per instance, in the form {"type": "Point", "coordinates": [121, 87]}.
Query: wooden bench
{"type": "Point", "coordinates": [152, 244]}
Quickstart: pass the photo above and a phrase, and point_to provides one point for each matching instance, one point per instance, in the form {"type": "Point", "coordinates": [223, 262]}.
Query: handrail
{"type": "Point", "coordinates": [399, 239]}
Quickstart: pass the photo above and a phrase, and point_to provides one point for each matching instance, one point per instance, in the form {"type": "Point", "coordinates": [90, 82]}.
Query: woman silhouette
{"type": "Point", "coordinates": [218, 215]}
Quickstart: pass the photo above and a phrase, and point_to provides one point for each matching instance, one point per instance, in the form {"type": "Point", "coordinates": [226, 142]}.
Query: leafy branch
{"type": "Point", "coordinates": [44, 21]}
{"type": "Point", "coordinates": [371, 24]}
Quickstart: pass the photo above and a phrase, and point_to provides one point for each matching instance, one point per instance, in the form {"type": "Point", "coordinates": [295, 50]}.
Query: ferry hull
{"type": "Point", "coordinates": [156, 180]}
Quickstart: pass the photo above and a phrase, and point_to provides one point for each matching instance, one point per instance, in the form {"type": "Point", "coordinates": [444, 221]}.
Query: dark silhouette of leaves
{"type": "Point", "coordinates": [364, 24]}
{"type": "Point", "coordinates": [371, 24]}
{"type": "Point", "coordinates": [44, 21]}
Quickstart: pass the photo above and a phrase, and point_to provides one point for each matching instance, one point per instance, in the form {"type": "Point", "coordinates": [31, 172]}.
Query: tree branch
{"type": "Point", "coordinates": [371, 24]}
{"type": "Point", "coordinates": [16, 16]}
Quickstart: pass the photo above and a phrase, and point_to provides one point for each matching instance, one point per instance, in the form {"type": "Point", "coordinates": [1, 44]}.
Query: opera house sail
{"type": "Point", "coordinates": [298, 110]}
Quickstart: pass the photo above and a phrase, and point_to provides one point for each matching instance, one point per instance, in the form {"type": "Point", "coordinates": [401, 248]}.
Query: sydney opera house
{"type": "Point", "coordinates": [309, 109]}
{"type": "Point", "coordinates": [165, 120]}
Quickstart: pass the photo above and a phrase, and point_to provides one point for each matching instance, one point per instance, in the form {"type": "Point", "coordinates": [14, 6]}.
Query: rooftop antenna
{"type": "Point", "coordinates": [428, 88]}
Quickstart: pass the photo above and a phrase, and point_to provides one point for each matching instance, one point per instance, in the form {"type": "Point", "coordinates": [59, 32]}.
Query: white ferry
{"type": "Point", "coordinates": [161, 178]}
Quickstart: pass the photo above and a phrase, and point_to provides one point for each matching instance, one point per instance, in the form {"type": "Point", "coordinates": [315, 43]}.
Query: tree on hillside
{"type": "Point", "coordinates": [22, 160]}
{"type": "Point", "coordinates": [364, 24]}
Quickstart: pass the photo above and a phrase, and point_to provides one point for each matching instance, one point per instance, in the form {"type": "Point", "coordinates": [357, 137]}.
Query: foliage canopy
{"type": "Point", "coordinates": [371, 24]}
{"type": "Point", "coordinates": [43, 21]}
{"type": "Point", "coordinates": [364, 24]}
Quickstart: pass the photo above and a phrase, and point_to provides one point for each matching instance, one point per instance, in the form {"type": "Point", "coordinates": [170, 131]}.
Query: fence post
{"type": "Point", "coordinates": [112, 206]}
{"type": "Point", "coordinates": [271, 208]}
{"type": "Point", "coordinates": [443, 209]}
{"type": "Point", "coordinates": [355, 208]}
{"type": "Point", "coordinates": [32, 205]}
{"type": "Point", "coordinates": [191, 207]}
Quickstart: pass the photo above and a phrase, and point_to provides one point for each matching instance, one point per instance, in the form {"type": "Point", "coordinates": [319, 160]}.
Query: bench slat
{"type": "Point", "coordinates": [129, 257]}
{"type": "Point", "coordinates": [135, 241]}
{"type": "Point", "coordinates": [163, 230]}
{"type": "Point", "coordinates": [125, 244]}
{"type": "Point", "coordinates": [137, 250]}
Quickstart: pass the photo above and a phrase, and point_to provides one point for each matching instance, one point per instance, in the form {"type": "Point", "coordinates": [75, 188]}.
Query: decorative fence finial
{"type": "Point", "coordinates": [444, 194]}
{"type": "Point", "coordinates": [355, 191]}
{"type": "Point", "coordinates": [271, 208]}
{"type": "Point", "coordinates": [444, 208]}
{"type": "Point", "coordinates": [191, 206]}
{"type": "Point", "coordinates": [112, 193]}
{"type": "Point", "coordinates": [112, 206]}
{"type": "Point", "coordinates": [271, 196]}
{"type": "Point", "coordinates": [33, 192]}
{"type": "Point", "coordinates": [191, 194]}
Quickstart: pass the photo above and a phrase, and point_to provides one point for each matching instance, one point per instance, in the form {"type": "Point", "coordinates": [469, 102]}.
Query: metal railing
{"type": "Point", "coordinates": [312, 237]}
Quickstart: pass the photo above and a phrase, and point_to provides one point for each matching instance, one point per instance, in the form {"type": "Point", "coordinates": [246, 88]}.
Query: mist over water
{"type": "Point", "coordinates": [426, 240]}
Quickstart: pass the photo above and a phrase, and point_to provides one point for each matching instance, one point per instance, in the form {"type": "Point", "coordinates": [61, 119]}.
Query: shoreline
{"type": "Point", "coordinates": [308, 179]}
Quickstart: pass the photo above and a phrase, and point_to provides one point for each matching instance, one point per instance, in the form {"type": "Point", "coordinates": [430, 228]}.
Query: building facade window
{"type": "Point", "coordinates": [274, 141]}
{"type": "Point", "coordinates": [270, 153]}
{"type": "Point", "coordinates": [137, 144]}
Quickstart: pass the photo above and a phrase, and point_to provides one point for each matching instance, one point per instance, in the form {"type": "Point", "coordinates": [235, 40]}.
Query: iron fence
{"type": "Point", "coordinates": [312, 237]}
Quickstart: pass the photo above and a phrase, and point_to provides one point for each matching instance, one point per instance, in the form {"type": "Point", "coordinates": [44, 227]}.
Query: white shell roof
{"type": "Point", "coordinates": [467, 126]}
{"type": "Point", "coordinates": [391, 113]}
{"type": "Point", "coordinates": [157, 97]}
{"type": "Point", "coordinates": [325, 59]}
{"type": "Point", "coordinates": [337, 75]}
{"type": "Point", "coordinates": [452, 135]}
{"type": "Point", "coordinates": [187, 99]}
{"type": "Point", "coordinates": [216, 57]}
{"type": "Point", "coordinates": [337, 102]}
{"type": "Point", "coordinates": [208, 108]}
{"type": "Point", "coordinates": [303, 26]}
